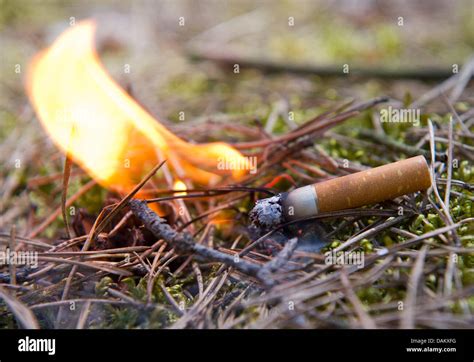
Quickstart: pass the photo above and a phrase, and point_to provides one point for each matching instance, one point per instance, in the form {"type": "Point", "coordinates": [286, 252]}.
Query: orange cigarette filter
{"type": "Point", "coordinates": [358, 189]}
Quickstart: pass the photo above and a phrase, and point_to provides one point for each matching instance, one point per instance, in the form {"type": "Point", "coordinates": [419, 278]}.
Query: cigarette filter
{"type": "Point", "coordinates": [358, 189]}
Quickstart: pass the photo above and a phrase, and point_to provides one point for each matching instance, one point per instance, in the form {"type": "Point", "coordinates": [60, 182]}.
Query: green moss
{"type": "Point", "coordinates": [387, 240]}
{"type": "Point", "coordinates": [8, 320]}
{"type": "Point", "coordinates": [93, 200]}
{"type": "Point", "coordinates": [388, 40]}
{"type": "Point", "coordinates": [102, 286]}
{"type": "Point", "coordinates": [9, 121]}
{"type": "Point", "coordinates": [468, 277]}
{"type": "Point", "coordinates": [367, 245]}
{"type": "Point", "coordinates": [12, 11]}
{"type": "Point", "coordinates": [370, 295]}
{"type": "Point", "coordinates": [132, 316]}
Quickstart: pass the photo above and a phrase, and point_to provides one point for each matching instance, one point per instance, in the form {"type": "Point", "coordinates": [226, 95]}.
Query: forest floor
{"type": "Point", "coordinates": [418, 267]}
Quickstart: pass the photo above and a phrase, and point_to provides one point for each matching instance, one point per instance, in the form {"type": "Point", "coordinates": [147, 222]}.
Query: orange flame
{"type": "Point", "coordinates": [105, 131]}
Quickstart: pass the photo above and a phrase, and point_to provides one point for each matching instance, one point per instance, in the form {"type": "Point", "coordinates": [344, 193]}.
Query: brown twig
{"type": "Point", "coordinates": [183, 242]}
{"type": "Point", "coordinates": [408, 315]}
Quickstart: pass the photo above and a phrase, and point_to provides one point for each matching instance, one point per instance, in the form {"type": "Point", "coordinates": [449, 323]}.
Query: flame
{"type": "Point", "coordinates": [105, 131]}
{"type": "Point", "coordinates": [179, 185]}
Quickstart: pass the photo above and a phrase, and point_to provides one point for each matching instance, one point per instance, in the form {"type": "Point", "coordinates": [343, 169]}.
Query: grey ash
{"type": "Point", "coordinates": [267, 213]}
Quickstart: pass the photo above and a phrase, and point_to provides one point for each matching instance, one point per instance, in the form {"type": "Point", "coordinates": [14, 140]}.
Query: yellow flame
{"type": "Point", "coordinates": [179, 185]}
{"type": "Point", "coordinates": [114, 139]}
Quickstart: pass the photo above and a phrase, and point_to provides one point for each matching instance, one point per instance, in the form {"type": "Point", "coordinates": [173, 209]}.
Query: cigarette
{"type": "Point", "coordinates": [362, 188]}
